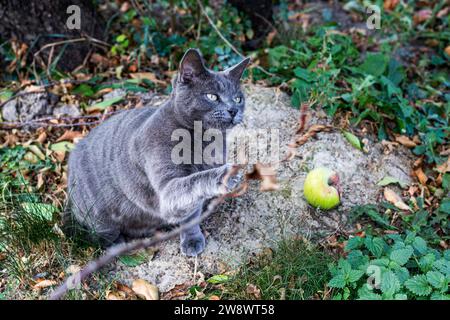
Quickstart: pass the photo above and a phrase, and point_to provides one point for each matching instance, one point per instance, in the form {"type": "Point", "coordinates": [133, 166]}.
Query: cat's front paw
{"type": "Point", "coordinates": [192, 246]}
{"type": "Point", "coordinates": [230, 180]}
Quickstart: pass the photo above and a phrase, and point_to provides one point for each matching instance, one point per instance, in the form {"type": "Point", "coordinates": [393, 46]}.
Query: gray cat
{"type": "Point", "coordinates": [122, 181]}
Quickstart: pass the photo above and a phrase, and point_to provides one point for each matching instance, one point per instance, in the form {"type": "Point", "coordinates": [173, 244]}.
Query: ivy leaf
{"type": "Point", "coordinates": [337, 281]}
{"type": "Point", "coordinates": [389, 283]}
{"type": "Point", "coordinates": [418, 285]}
{"type": "Point", "coordinates": [401, 256]}
{"type": "Point", "coordinates": [437, 280]}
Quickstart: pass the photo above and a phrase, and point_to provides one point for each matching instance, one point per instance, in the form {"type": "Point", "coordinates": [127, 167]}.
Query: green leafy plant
{"type": "Point", "coordinates": [394, 266]}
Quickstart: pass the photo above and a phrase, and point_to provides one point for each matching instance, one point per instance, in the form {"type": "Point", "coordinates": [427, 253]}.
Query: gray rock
{"type": "Point", "coordinates": [70, 110]}
{"type": "Point", "coordinates": [256, 220]}
{"type": "Point", "coordinates": [9, 111]}
{"type": "Point", "coordinates": [27, 107]}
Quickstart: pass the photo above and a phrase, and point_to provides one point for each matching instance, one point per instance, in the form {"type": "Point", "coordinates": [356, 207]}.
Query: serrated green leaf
{"type": "Point", "coordinates": [354, 243]}
{"type": "Point", "coordinates": [437, 280]}
{"type": "Point", "coordinates": [375, 245]}
{"type": "Point", "coordinates": [401, 256]}
{"type": "Point", "coordinates": [354, 275]}
{"type": "Point", "coordinates": [420, 245]}
{"type": "Point", "coordinates": [389, 283]}
{"type": "Point", "coordinates": [418, 285]}
{"type": "Point", "coordinates": [133, 260]}
{"type": "Point", "coordinates": [426, 262]}
{"type": "Point", "coordinates": [401, 296]}
{"type": "Point", "coordinates": [443, 266]}
{"type": "Point", "coordinates": [218, 278]}
{"type": "Point", "coordinates": [402, 274]}
{"type": "Point", "coordinates": [43, 210]}
{"type": "Point", "coordinates": [337, 281]}
{"type": "Point", "coordinates": [364, 293]}
{"type": "Point", "coordinates": [439, 296]}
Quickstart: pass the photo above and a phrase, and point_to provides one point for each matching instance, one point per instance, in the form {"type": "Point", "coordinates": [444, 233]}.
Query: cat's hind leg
{"type": "Point", "coordinates": [192, 240]}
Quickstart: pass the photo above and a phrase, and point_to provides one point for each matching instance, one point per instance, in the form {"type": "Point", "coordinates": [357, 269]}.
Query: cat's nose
{"type": "Point", "coordinates": [232, 111]}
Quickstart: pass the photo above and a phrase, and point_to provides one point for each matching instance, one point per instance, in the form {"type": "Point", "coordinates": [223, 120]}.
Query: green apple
{"type": "Point", "coordinates": [321, 188]}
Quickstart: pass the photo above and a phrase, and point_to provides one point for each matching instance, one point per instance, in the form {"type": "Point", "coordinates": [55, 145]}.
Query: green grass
{"type": "Point", "coordinates": [296, 270]}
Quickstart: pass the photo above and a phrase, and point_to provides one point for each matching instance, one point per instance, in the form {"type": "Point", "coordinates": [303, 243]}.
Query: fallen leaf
{"type": "Point", "coordinates": [253, 290]}
{"type": "Point", "coordinates": [62, 146]}
{"type": "Point", "coordinates": [70, 135]}
{"type": "Point", "coordinates": [146, 75]}
{"type": "Point", "coordinates": [421, 175]}
{"type": "Point", "coordinates": [444, 167]}
{"type": "Point", "coordinates": [407, 142]}
{"type": "Point", "coordinates": [145, 289]}
{"type": "Point", "coordinates": [42, 137]}
{"type": "Point", "coordinates": [104, 104]}
{"type": "Point", "coordinates": [395, 199]}
{"type": "Point", "coordinates": [391, 180]}
{"type": "Point", "coordinates": [44, 284]}
{"type": "Point", "coordinates": [214, 297]}
{"type": "Point", "coordinates": [37, 151]}
{"type": "Point", "coordinates": [422, 15]}
{"type": "Point", "coordinates": [389, 5]}
{"type": "Point", "coordinates": [352, 139]}
{"type": "Point", "coordinates": [266, 174]}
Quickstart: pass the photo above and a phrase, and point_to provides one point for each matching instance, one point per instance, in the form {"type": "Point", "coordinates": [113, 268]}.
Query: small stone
{"type": "Point", "coordinates": [71, 110]}
{"type": "Point", "coordinates": [9, 111]}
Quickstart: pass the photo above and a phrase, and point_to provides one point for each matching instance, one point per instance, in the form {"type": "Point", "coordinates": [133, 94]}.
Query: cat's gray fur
{"type": "Point", "coordinates": [122, 181]}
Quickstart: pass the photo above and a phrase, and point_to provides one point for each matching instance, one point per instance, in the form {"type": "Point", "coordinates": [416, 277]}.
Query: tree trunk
{"type": "Point", "coordinates": [39, 23]}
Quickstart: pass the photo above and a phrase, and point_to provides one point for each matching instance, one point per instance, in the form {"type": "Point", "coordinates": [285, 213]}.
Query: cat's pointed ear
{"type": "Point", "coordinates": [191, 66]}
{"type": "Point", "coordinates": [235, 72]}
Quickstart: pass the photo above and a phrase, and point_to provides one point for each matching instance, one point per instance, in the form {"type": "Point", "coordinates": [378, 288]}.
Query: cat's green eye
{"type": "Point", "coordinates": [237, 99]}
{"type": "Point", "coordinates": [212, 97]}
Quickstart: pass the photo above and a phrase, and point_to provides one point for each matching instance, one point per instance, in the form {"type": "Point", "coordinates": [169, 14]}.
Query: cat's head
{"type": "Point", "coordinates": [200, 94]}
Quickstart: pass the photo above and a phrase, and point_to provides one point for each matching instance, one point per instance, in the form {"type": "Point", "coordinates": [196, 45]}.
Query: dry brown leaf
{"type": "Point", "coordinates": [445, 167]}
{"type": "Point", "coordinates": [44, 284]}
{"type": "Point", "coordinates": [395, 199]}
{"type": "Point", "coordinates": [421, 175]}
{"type": "Point", "coordinates": [407, 142]}
{"type": "Point", "coordinates": [42, 137]}
{"type": "Point", "coordinates": [389, 5]}
{"type": "Point", "coordinates": [422, 15]}
{"type": "Point", "coordinates": [59, 155]}
{"type": "Point", "coordinates": [70, 135]}
{"type": "Point", "coordinates": [145, 289]}
{"type": "Point", "coordinates": [114, 296]}
{"type": "Point", "coordinates": [146, 75]}
{"type": "Point", "coordinates": [214, 297]}
{"type": "Point", "coordinates": [253, 290]}
{"type": "Point", "coordinates": [266, 174]}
